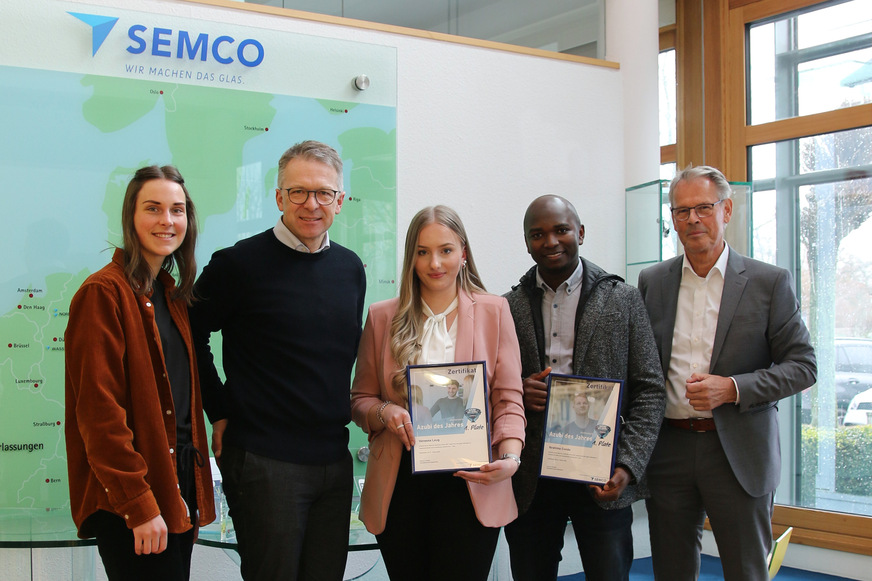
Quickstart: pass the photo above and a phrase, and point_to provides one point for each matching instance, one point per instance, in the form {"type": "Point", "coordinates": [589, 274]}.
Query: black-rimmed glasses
{"type": "Point", "coordinates": [299, 196]}
{"type": "Point", "coordinates": [702, 211]}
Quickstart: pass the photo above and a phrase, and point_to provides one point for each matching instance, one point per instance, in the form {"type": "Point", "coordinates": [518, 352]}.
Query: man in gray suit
{"type": "Point", "coordinates": [732, 343]}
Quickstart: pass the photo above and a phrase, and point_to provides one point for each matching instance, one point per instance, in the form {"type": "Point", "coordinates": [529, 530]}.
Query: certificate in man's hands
{"type": "Point", "coordinates": [581, 428]}
{"type": "Point", "coordinates": [448, 405]}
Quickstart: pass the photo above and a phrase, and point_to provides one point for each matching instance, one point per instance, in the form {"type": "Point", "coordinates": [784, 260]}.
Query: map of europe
{"type": "Point", "coordinates": [71, 144]}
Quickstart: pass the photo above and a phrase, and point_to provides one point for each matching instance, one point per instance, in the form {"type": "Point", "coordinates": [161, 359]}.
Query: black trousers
{"type": "Point", "coordinates": [115, 544]}
{"type": "Point", "coordinates": [432, 532]}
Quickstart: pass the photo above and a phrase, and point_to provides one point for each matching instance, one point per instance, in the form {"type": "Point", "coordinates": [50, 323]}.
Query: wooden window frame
{"type": "Point", "coordinates": [837, 531]}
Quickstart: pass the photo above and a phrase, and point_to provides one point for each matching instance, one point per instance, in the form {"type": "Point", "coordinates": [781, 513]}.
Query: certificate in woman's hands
{"type": "Point", "coordinates": [581, 428]}
{"type": "Point", "coordinates": [448, 405]}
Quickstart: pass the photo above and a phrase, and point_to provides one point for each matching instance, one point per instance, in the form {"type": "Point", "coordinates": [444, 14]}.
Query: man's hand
{"type": "Point", "coordinates": [706, 392]}
{"type": "Point", "coordinates": [535, 391]}
{"type": "Point", "coordinates": [150, 537]}
{"type": "Point", "coordinates": [612, 489]}
{"type": "Point", "coordinates": [218, 439]}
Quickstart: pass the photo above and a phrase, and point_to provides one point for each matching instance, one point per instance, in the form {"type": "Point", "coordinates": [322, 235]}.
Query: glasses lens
{"type": "Point", "coordinates": [298, 196]}
{"type": "Point", "coordinates": [325, 197]}
{"type": "Point", "coordinates": [704, 210]}
{"type": "Point", "coordinates": [681, 214]}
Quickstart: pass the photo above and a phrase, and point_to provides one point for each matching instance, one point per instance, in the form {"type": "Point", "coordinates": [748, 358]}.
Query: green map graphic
{"type": "Point", "coordinates": [71, 144]}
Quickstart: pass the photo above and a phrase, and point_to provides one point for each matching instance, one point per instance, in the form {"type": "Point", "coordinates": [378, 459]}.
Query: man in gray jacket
{"type": "Point", "coordinates": [574, 318]}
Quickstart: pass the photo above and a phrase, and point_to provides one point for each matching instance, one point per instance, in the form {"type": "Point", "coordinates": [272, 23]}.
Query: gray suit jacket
{"type": "Point", "coordinates": [760, 340]}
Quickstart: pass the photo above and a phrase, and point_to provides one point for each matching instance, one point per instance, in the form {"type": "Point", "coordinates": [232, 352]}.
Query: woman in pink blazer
{"type": "Point", "coordinates": [438, 525]}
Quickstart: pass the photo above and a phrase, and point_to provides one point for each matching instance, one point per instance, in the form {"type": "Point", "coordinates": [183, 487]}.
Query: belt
{"type": "Point", "coordinates": [693, 424]}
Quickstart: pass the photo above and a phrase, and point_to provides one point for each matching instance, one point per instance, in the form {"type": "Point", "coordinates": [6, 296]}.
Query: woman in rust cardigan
{"type": "Point", "coordinates": [439, 525]}
{"type": "Point", "coordinates": [134, 418]}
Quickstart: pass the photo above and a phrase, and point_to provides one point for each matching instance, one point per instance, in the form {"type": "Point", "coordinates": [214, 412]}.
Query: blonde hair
{"type": "Point", "coordinates": [407, 324]}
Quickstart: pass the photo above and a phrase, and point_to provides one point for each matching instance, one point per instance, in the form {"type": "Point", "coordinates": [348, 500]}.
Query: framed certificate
{"type": "Point", "coordinates": [581, 428]}
{"type": "Point", "coordinates": [448, 405]}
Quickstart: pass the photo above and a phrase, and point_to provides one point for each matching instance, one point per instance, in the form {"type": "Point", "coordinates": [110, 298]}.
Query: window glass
{"type": "Point", "coordinates": [667, 82]}
{"type": "Point", "coordinates": [812, 208]}
{"type": "Point", "coordinates": [667, 171]}
{"type": "Point", "coordinates": [811, 61]}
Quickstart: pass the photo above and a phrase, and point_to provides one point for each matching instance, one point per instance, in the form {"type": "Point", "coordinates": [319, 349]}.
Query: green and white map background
{"type": "Point", "coordinates": [71, 142]}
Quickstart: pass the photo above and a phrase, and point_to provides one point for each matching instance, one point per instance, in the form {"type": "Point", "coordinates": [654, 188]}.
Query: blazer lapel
{"type": "Point", "coordinates": [669, 301]}
{"type": "Point", "coordinates": [734, 286]}
{"type": "Point", "coordinates": [465, 322]}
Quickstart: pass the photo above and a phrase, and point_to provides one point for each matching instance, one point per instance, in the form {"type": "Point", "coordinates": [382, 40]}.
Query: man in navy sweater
{"type": "Point", "coordinates": [289, 304]}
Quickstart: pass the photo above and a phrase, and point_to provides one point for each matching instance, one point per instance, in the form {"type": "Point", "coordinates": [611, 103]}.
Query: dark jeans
{"type": "Point", "coordinates": [291, 520]}
{"type": "Point", "coordinates": [432, 532]}
{"type": "Point", "coordinates": [115, 544]}
{"type": "Point", "coordinates": [604, 537]}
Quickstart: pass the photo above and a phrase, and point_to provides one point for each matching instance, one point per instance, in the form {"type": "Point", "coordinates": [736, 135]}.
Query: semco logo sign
{"type": "Point", "coordinates": [179, 44]}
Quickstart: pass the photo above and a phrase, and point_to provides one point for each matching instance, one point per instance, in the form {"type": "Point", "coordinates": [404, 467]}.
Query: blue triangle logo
{"type": "Point", "coordinates": [101, 26]}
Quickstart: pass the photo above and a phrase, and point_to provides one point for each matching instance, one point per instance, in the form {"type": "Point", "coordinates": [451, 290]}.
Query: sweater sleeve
{"type": "Point", "coordinates": [641, 424]}
{"type": "Point", "coordinates": [98, 384]}
{"type": "Point", "coordinates": [208, 314]}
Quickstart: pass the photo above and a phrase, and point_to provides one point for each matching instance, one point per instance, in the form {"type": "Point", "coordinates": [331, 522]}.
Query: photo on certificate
{"type": "Point", "coordinates": [581, 428]}
{"type": "Point", "coordinates": [448, 405]}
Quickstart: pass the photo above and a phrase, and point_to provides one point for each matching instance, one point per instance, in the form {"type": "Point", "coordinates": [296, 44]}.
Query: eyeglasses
{"type": "Point", "coordinates": [300, 196]}
{"type": "Point", "coordinates": [702, 211]}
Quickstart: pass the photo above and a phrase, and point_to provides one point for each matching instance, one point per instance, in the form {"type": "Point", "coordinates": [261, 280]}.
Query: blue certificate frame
{"type": "Point", "coordinates": [450, 416]}
{"type": "Point", "coordinates": [582, 421]}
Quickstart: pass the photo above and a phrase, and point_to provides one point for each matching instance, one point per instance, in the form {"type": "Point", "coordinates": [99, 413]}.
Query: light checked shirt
{"type": "Point", "coordinates": [558, 319]}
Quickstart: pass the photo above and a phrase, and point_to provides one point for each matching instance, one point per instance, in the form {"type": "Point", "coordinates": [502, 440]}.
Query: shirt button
{"type": "Point", "coordinates": [147, 304]}
{"type": "Point", "coordinates": [171, 451]}
{"type": "Point", "coordinates": [127, 516]}
{"type": "Point", "coordinates": [107, 490]}
{"type": "Point", "coordinates": [553, 334]}
{"type": "Point", "coordinates": [553, 361]}
{"type": "Point", "coordinates": [169, 412]}
{"type": "Point", "coordinates": [555, 306]}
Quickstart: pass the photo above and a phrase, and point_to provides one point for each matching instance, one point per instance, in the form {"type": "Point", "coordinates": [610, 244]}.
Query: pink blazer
{"type": "Point", "coordinates": [485, 332]}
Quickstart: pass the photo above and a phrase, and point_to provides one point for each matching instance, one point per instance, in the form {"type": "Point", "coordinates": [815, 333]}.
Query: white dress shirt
{"type": "Point", "coordinates": [696, 321]}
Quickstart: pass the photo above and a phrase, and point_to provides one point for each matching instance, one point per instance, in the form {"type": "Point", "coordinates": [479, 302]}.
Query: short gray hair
{"type": "Point", "coordinates": [691, 173]}
{"type": "Point", "coordinates": [315, 151]}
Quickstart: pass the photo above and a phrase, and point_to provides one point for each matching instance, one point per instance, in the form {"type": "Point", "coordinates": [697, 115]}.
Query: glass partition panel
{"type": "Point", "coordinates": [569, 26]}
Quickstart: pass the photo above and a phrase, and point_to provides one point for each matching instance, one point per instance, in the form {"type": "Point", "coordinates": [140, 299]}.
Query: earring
{"type": "Point", "coordinates": [463, 264]}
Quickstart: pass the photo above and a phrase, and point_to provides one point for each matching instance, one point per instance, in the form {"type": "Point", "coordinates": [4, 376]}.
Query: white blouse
{"type": "Point", "coordinates": [437, 340]}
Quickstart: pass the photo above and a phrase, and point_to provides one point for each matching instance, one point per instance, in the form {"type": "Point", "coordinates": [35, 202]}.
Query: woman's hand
{"type": "Point", "coordinates": [399, 423]}
{"type": "Point", "coordinates": [150, 537]}
{"type": "Point", "coordinates": [490, 473]}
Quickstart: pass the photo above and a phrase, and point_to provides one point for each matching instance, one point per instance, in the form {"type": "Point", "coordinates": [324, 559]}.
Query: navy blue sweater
{"type": "Point", "coordinates": [290, 324]}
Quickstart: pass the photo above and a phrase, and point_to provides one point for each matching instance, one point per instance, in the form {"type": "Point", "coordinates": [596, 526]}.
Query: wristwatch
{"type": "Point", "coordinates": [514, 457]}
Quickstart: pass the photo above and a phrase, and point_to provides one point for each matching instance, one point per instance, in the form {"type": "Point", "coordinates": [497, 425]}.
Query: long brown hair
{"type": "Point", "coordinates": [406, 326]}
{"type": "Point", "coordinates": [137, 270]}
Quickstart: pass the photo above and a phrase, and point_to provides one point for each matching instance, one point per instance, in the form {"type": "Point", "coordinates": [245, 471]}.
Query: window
{"type": "Point", "coordinates": [816, 60]}
{"type": "Point", "coordinates": [812, 214]}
